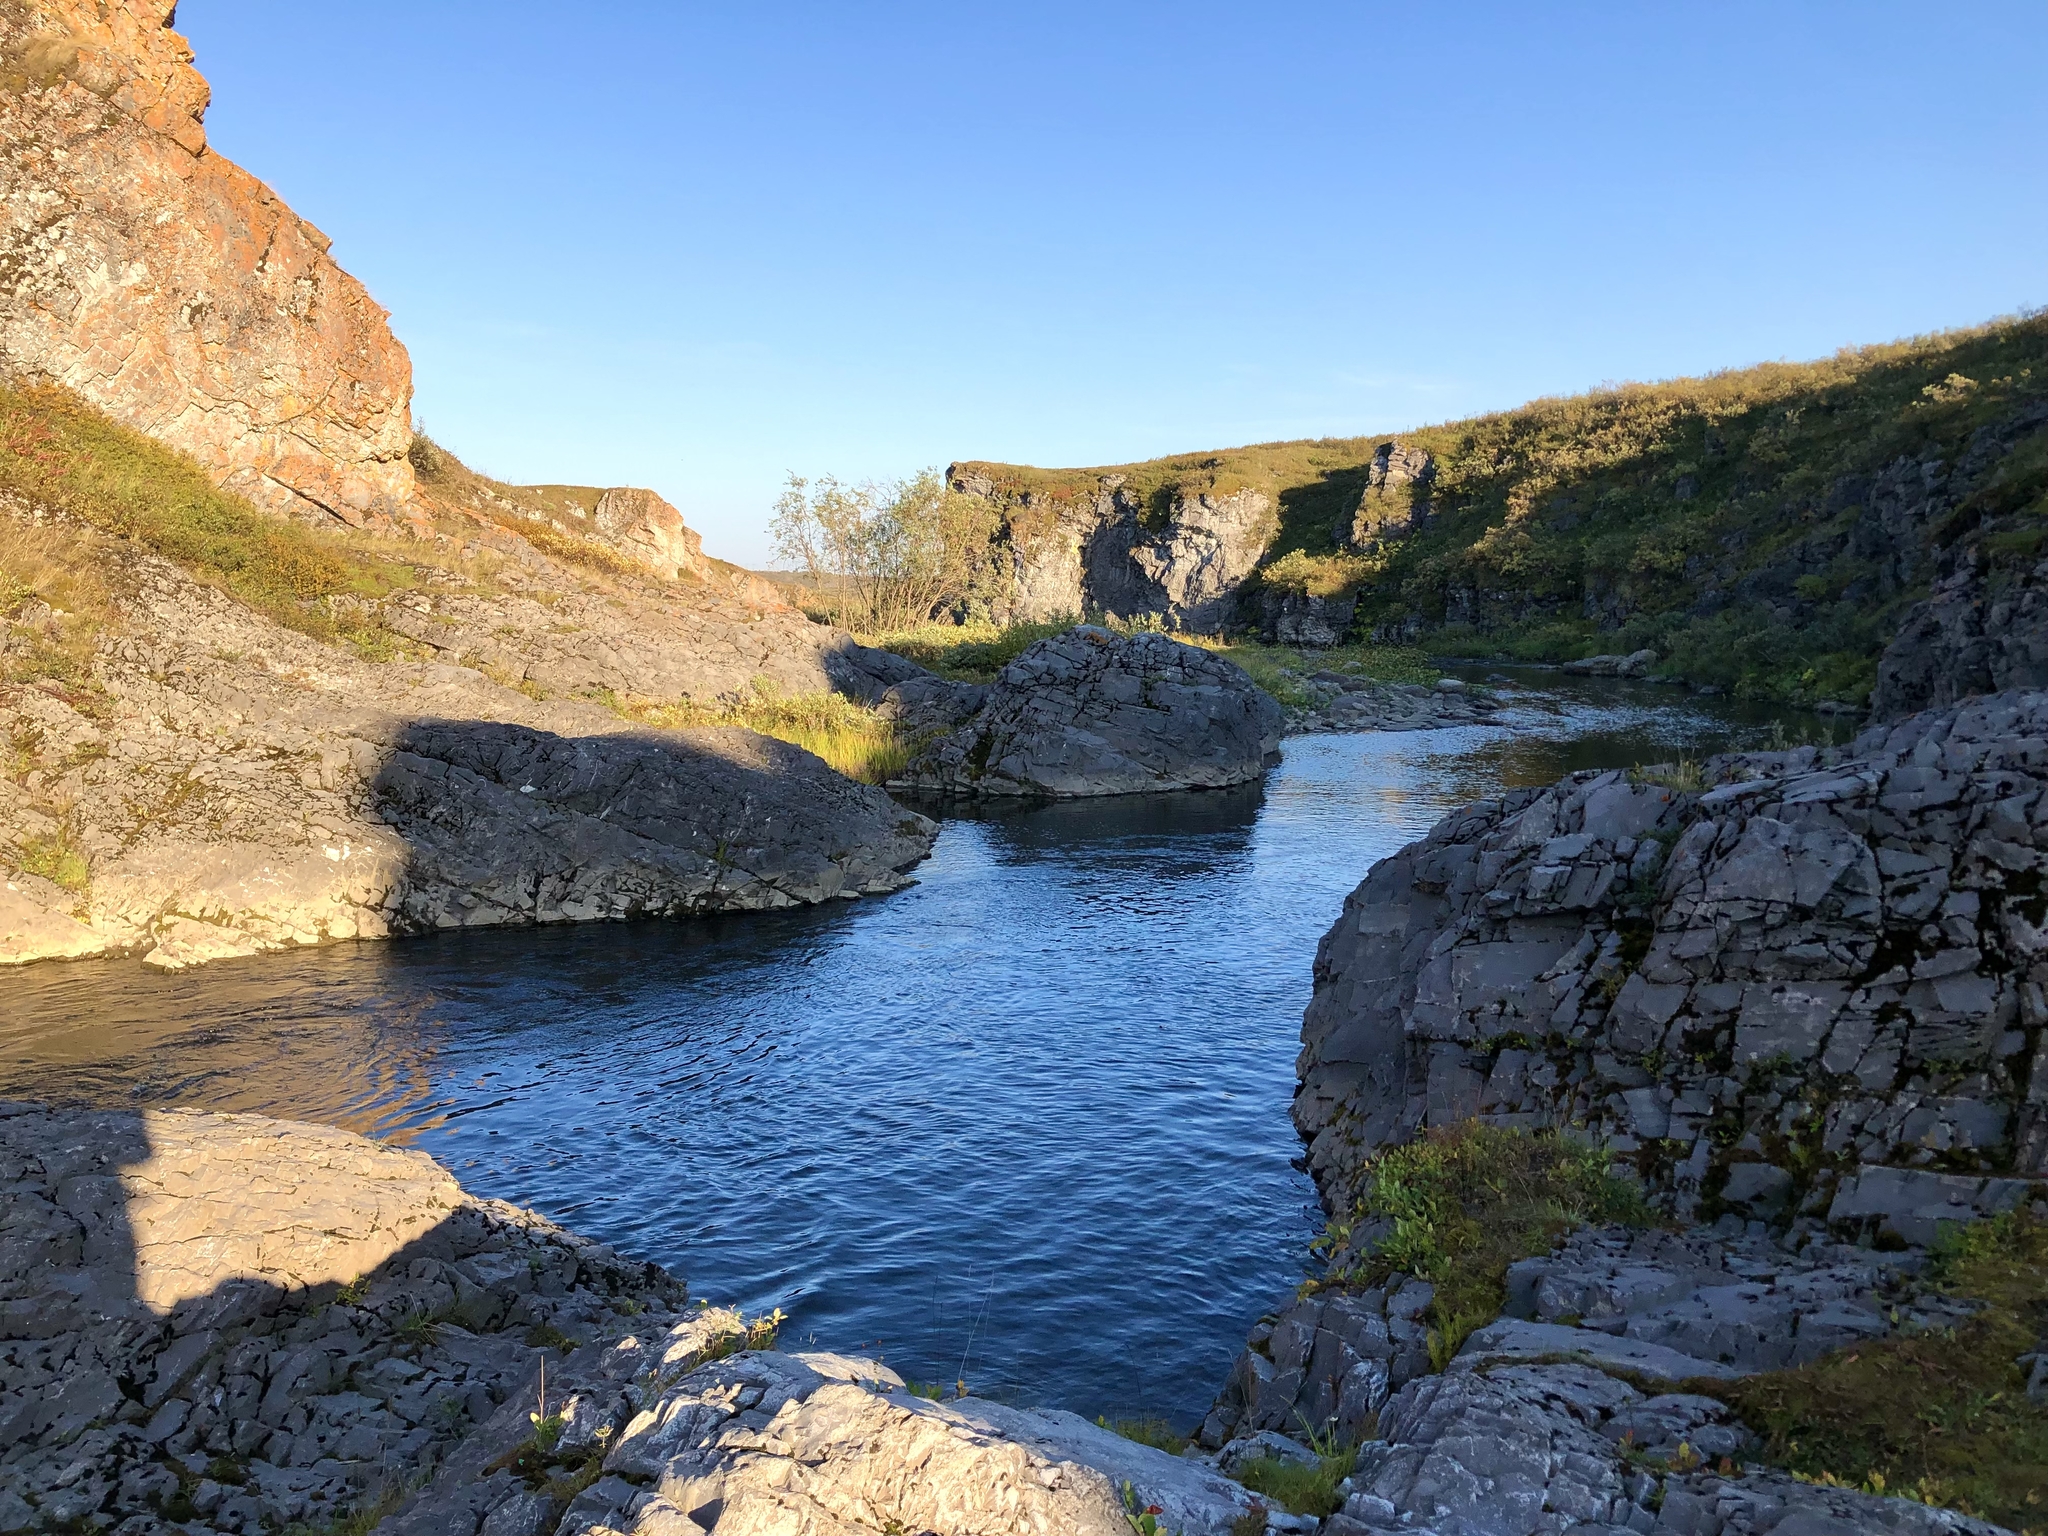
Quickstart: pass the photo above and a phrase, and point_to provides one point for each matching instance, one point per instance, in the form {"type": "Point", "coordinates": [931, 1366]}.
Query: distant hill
{"type": "Point", "coordinates": [1766, 529]}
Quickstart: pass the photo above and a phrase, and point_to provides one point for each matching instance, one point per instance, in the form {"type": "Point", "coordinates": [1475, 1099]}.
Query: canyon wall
{"type": "Point", "coordinates": [172, 289]}
{"type": "Point", "coordinates": [1109, 553]}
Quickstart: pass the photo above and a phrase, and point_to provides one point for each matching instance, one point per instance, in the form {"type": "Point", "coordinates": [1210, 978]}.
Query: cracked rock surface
{"type": "Point", "coordinates": [1091, 712]}
{"type": "Point", "coordinates": [234, 787]}
{"type": "Point", "coordinates": [227, 1323]}
{"type": "Point", "coordinates": [1811, 991]}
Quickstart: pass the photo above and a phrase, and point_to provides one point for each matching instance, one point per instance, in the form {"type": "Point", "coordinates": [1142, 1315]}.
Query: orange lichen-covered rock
{"type": "Point", "coordinates": [170, 287]}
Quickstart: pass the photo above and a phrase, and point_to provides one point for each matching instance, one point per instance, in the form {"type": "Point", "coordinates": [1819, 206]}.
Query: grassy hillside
{"type": "Point", "coordinates": [1725, 521]}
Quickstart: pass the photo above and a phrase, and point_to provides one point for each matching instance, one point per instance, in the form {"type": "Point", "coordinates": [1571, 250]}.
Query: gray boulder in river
{"type": "Point", "coordinates": [1089, 712]}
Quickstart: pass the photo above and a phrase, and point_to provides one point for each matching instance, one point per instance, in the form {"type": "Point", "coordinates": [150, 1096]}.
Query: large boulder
{"type": "Point", "coordinates": [174, 290]}
{"type": "Point", "coordinates": [1825, 965]}
{"type": "Point", "coordinates": [244, 788]}
{"type": "Point", "coordinates": [1089, 712]}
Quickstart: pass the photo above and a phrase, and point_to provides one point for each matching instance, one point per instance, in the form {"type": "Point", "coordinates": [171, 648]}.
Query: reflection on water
{"type": "Point", "coordinates": [1026, 1121]}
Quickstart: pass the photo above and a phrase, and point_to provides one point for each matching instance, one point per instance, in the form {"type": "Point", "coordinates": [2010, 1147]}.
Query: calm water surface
{"type": "Point", "coordinates": [1025, 1122]}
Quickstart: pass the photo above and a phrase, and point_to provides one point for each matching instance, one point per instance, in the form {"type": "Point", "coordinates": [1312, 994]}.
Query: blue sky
{"type": "Point", "coordinates": [699, 247]}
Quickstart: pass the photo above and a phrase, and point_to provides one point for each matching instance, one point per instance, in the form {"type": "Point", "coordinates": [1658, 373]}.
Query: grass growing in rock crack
{"type": "Point", "coordinates": [1303, 1488]}
{"type": "Point", "coordinates": [1465, 1201]}
{"type": "Point", "coordinates": [1942, 1418]}
{"type": "Point", "coordinates": [852, 738]}
{"type": "Point", "coordinates": [1147, 1430]}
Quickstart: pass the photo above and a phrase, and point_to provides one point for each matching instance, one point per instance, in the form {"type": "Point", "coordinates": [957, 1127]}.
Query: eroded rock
{"type": "Point", "coordinates": [1089, 712]}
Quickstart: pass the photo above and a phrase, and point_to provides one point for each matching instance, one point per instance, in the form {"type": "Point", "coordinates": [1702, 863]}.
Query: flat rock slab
{"type": "Point", "coordinates": [1513, 1339]}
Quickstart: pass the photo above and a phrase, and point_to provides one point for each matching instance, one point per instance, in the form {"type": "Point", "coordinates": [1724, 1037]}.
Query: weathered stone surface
{"type": "Point", "coordinates": [766, 1443]}
{"type": "Point", "coordinates": [1634, 664]}
{"type": "Point", "coordinates": [174, 290]}
{"type": "Point", "coordinates": [1983, 627]}
{"type": "Point", "coordinates": [1533, 1451]}
{"type": "Point", "coordinates": [1396, 499]}
{"type": "Point", "coordinates": [243, 788]}
{"type": "Point", "coordinates": [1090, 712]}
{"type": "Point", "coordinates": [1343, 702]}
{"type": "Point", "coordinates": [1100, 553]}
{"type": "Point", "coordinates": [1824, 963]}
{"type": "Point", "coordinates": [271, 1319]}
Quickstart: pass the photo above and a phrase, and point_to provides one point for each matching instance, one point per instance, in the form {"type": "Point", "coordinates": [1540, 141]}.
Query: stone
{"type": "Point", "coordinates": [1089, 712]}
{"type": "Point", "coordinates": [1634, 664]}
{"type": "Point", "coordinates": [1101, 552]}
{"type": "Point", "coordinates": [1760, 932]}
{"type": "Point", "coordinates": [174, 290]}
{"type": "Point", "coordinates": [348, 799]}
{"type": "Point", "coordinates": [243, 1272]}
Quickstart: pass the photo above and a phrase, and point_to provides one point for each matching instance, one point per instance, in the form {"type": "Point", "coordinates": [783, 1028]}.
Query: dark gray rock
{"type": "Point", "coordinates": [1089, 712]}
{"type": "Point", "coordinates": [1822, 965]}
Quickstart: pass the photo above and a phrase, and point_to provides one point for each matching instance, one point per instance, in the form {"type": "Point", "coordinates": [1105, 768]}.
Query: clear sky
{"type": "Point", "coordinates": [698, 247]}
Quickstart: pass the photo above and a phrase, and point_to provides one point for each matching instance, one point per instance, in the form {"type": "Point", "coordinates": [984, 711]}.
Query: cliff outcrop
{"type": "Point", "coordinates": [1089, 712]}
{"type": "Point", "coordinates": [1812, 991]}
{"type": "Point", "coordinates": [1179, 557]}
{"type": "Point", "coordinates": [174, 290]}
{"type": "Point", "coordinates": [218, 784]}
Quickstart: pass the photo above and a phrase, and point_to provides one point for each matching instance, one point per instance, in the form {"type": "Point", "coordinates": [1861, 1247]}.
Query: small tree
{"type": "Point", "coordinates": [885, 556]}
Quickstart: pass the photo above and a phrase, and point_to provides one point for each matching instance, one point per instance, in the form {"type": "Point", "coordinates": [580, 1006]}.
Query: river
{"type": "Point", "coordinates": [1024, 1124]}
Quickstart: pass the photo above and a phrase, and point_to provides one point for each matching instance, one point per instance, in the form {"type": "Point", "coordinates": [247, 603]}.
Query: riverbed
{"type": "Point", "coordinates": [1023, 1125]}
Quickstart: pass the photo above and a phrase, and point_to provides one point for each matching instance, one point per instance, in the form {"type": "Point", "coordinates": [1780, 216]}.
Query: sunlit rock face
{"type": "Point", "coordinates": [174, 290]}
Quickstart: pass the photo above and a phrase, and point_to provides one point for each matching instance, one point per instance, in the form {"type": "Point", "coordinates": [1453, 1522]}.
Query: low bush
{"type": "Point", "coordinates": [855, 739]}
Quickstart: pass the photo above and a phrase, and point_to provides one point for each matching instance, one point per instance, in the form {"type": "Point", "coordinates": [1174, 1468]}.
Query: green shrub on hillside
{"type": "Point", "coordinates": [1942, 1418]}
{"type": "Point", "coordinates": [1464, 1202]}
{"type": "Point", "coordinates": [1674, 515]}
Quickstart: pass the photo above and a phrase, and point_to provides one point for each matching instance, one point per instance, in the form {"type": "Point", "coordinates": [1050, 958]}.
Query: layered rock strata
{"type": "Point", "coordinates": [232, 786]}
{"type": "Point", "coordinates": [1582, 1408]}
{"type": "Point", "coordinates": [1103, 552]}
{"type": "Point", "coordinates": [174, 290]}
{"type": "Point", "coordinates": [1089, 712]}
{"type": "Point", "coordinates": [231, 1323]}
{"type": "Point", "coordinates": [1810, 991]}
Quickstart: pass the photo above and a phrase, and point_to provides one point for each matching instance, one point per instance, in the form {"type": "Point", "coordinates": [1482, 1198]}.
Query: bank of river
{"type": "Point", "coordinates": [1025, 1122]}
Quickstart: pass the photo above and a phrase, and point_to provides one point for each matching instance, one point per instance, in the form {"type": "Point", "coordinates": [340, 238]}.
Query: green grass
{"type": "Point", "coordinates": [56, 859]}
{"type": "Point", "coordinates": [853, 738]}
{"type": "Point", "coordinates": [1466, 1201]}
{"type": "Point", "coordinates": [1638, 500]}
{"type": "Point", "coordinates": [1302, 1488]}
{"type": "Point", "coordinates": [59, 453]}
{"type": "Point", "coordinates": [1148, 1430]}
{"type": "Point", "coordinates": [1942, 1418]}
{"type": "Point", "coordinates": [972, 653]}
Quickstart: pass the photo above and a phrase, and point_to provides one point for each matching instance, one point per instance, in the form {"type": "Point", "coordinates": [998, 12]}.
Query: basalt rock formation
{"type": "Point", "coordinates": [1812, 990]}
{"type": "Point", "coordinates": [1110, 552]}
{"type": "Point", "coordinates": [1089, 712]}
{"type": "Point", "coordinates": [174, 290]}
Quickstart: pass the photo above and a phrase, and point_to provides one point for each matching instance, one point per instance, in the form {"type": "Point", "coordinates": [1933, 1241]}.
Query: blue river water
{"type": "Point", "coordinates": [1025, 1123]}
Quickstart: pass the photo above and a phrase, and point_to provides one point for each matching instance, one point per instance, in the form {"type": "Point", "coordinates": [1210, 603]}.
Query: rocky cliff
{"type": "Point", "coordinates": [174, 290]}
{"type": "Point", "coordinates": [1808, 989]}
{"type": "Point", "coordinates": [1180, 556]}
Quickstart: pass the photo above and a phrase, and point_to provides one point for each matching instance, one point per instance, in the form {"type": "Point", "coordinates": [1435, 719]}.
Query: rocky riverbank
{"type": "Point", "coordinates": [1800, 993]}
{"type": "Point", "coordinates": [225, 1323]}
